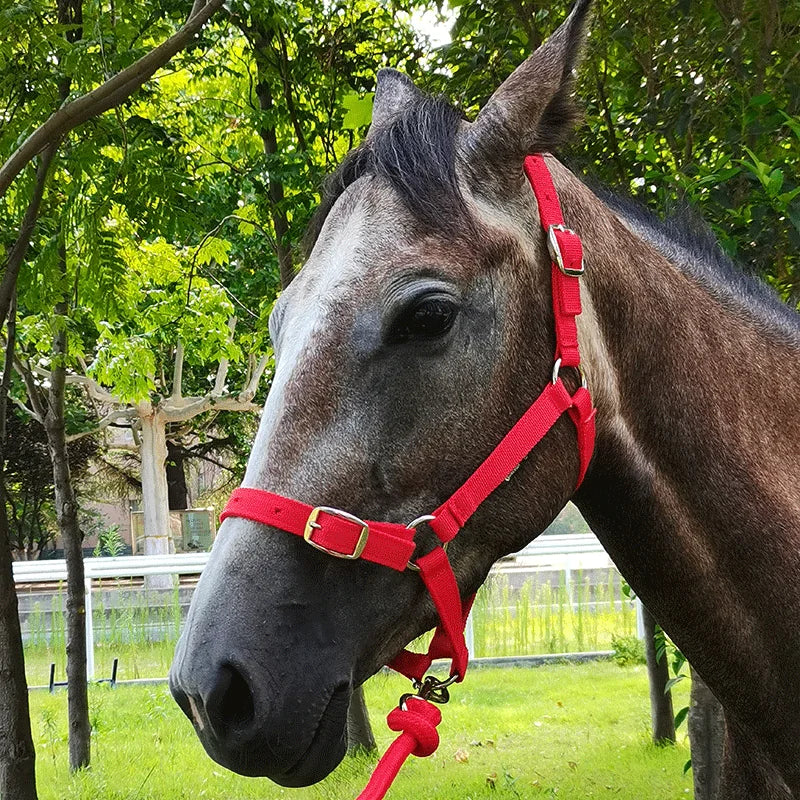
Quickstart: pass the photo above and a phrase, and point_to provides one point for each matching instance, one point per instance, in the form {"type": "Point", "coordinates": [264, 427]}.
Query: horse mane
{"type": "Point", "coordinates": [687, 241]}
{"type": "Point", "coordinates": [416, 154]}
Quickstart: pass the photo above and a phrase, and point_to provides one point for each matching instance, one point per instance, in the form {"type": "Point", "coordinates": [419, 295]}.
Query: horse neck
{"type": "Point", "coordinates": [693, 487]}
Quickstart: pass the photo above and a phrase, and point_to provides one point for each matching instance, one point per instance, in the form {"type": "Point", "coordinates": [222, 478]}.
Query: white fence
{"type": "Point", "coordinates": [555, 553]}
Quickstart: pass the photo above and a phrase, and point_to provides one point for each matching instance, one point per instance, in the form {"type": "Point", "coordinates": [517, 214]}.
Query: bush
{"type": "Point", "coordinates": [628, 650]}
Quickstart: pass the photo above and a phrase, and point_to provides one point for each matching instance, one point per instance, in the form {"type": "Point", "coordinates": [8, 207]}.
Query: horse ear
{"type": "Point", "coordinates": [394, 93]}
{"type": "Point", "coordinates": [532, 111]}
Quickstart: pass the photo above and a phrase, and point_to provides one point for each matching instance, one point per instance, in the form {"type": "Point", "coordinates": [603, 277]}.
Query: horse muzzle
{"type": "Point", "coordinates": [294, 738]}
{"type": "Point", "coordinates": [259, 668]}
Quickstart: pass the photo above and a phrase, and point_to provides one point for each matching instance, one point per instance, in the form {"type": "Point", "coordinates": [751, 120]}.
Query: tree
{"type": "Point", "coordinates": [17, 777]}
{"type": "Point", "coordinates": [661, 712]}
{"type": "Point", "coordinates": [29, 482]}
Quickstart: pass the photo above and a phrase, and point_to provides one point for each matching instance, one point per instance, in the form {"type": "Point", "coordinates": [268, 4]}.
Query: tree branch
{"type": "Point", "coordinates": [249, 392]}
{"type": "Point", "coordinates": [34, 393]}
{"type": "Point", "coordinates": [222, 369]}
{"type": "Point", "coordinates": [20, 248]}
{"type": "Point", "coordinates": [105, 96]}
{"type": "Point", "coordinates": [177, 375]}
{"type": "Point", "coordinates": [108, 419]}
{"type": "Point", "coordinates": [22, 407]}
{"type": "Point", "coordinates": [94, 389]}
{"type": "Point", "coordinates": [5, 383]}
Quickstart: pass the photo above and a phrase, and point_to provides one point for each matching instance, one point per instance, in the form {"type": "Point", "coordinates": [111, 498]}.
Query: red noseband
{"type": "Point", "coordinates": [344, 535]}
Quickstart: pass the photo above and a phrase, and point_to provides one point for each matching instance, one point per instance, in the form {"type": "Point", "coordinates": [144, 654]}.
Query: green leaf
{"type": "Point", "coordinates": [214, 250]}
{"type": "Point", "coordinates": [687, 766]}
{"type": "Point", "coordinates": [358, 110]}
{"type": "Point", "coordinates": [761, 99]}
{"type": "Point", "coordinates": [775, 181]}
{"type": "Point", "coordinates": [247, 212]}
{"type": "Point", "coordinates": [672, 682]}
{"type": "Point", "coordinates": [680, 717]}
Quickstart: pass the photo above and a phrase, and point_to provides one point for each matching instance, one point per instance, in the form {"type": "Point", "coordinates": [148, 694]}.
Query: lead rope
{"type": "Point", "coordinates": [415, 717]}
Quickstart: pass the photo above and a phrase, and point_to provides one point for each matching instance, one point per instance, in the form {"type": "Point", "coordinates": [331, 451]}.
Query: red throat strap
{"type": "Point", "coordinates": [343, 535]}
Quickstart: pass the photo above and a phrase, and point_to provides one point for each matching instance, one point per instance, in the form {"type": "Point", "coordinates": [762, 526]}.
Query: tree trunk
{"type": "Point", "coordinates": [359, 732]}
{"type": "Point", "coordinates": [269, 139]}
{"type": "Point", "coordinates": [17, 755]}
{"type": "Point", "coordinates": [67, 513]}
{"type": "Point", "coordinates": [661, 713]}
{"type": "Point", "coordinates": [706, 738]}
{"type": "Point", "coordinates": [155, 494]}
{"type": "Point", "coordinates": [177, 491]}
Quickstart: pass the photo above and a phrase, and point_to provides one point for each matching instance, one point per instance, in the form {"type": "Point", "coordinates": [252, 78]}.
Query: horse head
{"type": "Point", "coordinates": [417, 333]}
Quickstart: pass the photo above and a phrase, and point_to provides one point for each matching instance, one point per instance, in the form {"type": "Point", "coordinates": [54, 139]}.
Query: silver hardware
{"type": "Point", "coordinates": [557, 369]}
{"type": "Point", "coordinates": [431, 689]}
{"type": "Point", "coordinates": [412, 526]}
{"type": "Point", "coordinates": [555, 251]}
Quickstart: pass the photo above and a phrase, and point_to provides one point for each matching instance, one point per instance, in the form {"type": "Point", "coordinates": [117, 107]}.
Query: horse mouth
{"type": "Point", "coordinates": [327, 746]}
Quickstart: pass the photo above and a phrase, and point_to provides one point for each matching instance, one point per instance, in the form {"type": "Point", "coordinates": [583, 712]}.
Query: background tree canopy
{"type": "Point", "coordinates": [186, 205]}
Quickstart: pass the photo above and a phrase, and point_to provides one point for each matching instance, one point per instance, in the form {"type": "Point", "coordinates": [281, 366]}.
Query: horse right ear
{"type": "Point", "coordinates": [394, 93]}
{"type": "Point", "coordinates": [532, 111]}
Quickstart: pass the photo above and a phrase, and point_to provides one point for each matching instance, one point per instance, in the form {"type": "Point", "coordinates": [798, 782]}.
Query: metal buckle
{"type": "Point", "coordinates": [555, 251]}
{"type": "Point", "coordinates": [312, 525]}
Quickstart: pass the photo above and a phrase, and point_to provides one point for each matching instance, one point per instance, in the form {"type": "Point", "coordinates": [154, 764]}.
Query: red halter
{"type": "Point", "coordinates": [343, 535]}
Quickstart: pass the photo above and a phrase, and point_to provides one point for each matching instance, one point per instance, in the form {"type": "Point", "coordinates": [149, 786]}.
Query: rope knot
{"type": "Point", "coordinates": [418, 719]}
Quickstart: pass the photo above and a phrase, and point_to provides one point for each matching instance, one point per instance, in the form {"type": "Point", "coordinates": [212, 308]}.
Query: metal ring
{"type": "Point", "coordinates": [414, 568]}
{"type": "Point", "coordinates": [579, 367]}
{"type": "Point", "coordinates": [419, 520]}
{"type": "Point", "coordinates": [413, 526]}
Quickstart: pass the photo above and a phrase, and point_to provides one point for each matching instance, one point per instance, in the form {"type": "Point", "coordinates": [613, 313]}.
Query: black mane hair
{"type": "Point", "coordinates": [686, 239]}
{"type": "Point", "coordinates": [416, 154]}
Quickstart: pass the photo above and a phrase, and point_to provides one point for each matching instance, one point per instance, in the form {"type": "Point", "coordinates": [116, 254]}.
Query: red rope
{"type": "Point", "coordinates": [416, 719]}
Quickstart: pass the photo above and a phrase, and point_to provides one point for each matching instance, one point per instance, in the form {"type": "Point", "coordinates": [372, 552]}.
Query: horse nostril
{"type": "Point", "coordinates": [230, 703]}
{"type": "Point", "coordinates": [181, 698]}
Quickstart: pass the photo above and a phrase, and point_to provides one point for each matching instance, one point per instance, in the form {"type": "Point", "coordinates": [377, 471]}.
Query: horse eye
{"type": "Point", "coordinates": [427, 319]}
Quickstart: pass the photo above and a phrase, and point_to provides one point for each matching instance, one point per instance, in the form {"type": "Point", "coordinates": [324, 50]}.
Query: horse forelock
{"type": "Point", "coordinates": [416, 153]}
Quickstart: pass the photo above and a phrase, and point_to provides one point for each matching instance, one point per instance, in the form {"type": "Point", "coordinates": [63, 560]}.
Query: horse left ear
{"type": "Point", "coordinates": [394, 92]}
{"type": "Point", "coordinates": [532, 111]}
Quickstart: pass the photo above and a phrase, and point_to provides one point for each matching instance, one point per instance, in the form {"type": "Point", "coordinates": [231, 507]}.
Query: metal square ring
{"type": "Point", "coordinates": [312, 525]}
{"type": "Point", "coordinates": [555, 251]}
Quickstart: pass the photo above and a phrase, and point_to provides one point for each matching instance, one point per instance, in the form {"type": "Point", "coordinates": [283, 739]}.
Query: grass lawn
{"type": "Point", "coordinates": [561, 731]}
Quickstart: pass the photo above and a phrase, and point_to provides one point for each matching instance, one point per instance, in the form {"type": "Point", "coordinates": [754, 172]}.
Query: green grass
{"type": "Point", "coordinates": [560, 731]}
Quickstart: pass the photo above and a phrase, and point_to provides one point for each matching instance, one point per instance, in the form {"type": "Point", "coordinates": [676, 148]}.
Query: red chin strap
{"type": "Point", "coordinates": [345, 536]}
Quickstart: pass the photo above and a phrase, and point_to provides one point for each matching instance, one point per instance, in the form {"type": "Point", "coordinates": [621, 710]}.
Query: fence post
{"type": "Point", "coordinates": [87, 583]}
{"type": "Point", "coordinates": [469, 635]}
{"type": "Point", "coordinates": [640, 630]}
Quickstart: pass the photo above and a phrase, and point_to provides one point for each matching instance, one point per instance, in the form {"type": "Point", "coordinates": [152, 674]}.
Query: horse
{"type": "Point", "coordinates": [417, 333]}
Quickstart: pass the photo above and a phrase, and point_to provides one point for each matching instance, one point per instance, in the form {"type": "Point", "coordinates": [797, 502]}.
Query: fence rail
{"type": "Point", "coordinates": [562, 553]}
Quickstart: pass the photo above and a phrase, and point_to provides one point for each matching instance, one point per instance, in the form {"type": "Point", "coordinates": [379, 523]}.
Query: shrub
{"type": "Point", "coordinates": [628, 650]}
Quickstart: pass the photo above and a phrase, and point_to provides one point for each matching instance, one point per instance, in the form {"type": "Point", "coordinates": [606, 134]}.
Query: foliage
{"type": "Point", "coordinates": [678, 666]}
{"type": "Point", "coordinates": [539, 727]}
{"type": "Point", "coordinates": [628, 650]}
{"type": "Point", "coordinates": [29, 483]}
{"type": "Point", "coordinates": [109, 542]}
{"type": "Point", "coordinates": [695, 103]}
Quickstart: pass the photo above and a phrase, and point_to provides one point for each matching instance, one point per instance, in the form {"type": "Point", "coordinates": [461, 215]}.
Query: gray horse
{"type": "Point", "coordinates": [417, 333]}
